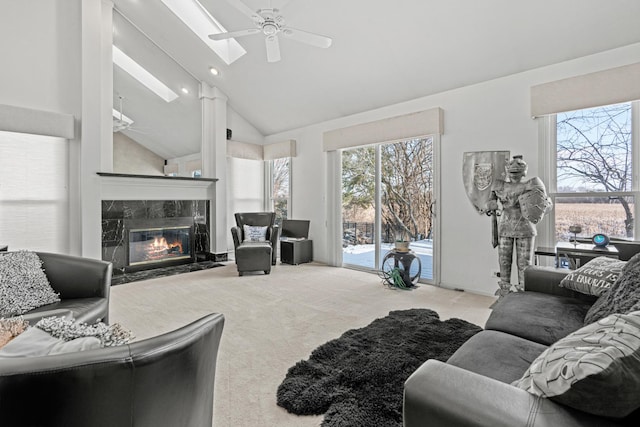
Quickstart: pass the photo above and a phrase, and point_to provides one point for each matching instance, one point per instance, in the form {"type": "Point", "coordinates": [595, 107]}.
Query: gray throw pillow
{"type": "Point", "coordinates": [595, 369]}
{"type": "Point", "coordinates": [622, 297]}
{"type": "Point", "coordinates": [23, 284]}
{"type": "Point", "coordinates": [595, 277]}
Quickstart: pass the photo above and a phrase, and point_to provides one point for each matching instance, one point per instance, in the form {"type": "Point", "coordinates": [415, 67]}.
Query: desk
{"type": "Point", "coordinates": [296, 251]}
{"type": "Point", "coordinates": [579, 253]}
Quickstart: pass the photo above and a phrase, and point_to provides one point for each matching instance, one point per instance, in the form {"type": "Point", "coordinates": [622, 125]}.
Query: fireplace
{"type": "Point", "coordinates": [158, 245]}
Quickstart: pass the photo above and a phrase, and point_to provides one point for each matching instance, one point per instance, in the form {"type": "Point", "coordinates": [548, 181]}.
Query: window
{"type": "Point", "coordinates": [34, 192]}
{"type": "Point", "coordinates": [595, 188]}
{"type": "Point", "coordinates": [404, 173]}
{"type": "Point", "coordinates": [280, 188]}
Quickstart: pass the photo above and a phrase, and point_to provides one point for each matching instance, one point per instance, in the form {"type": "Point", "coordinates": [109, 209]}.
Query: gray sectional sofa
{"type": "Point", "coordinates": [474, 387]}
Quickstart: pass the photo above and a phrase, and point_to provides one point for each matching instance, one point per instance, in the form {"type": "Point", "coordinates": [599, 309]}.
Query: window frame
{"type": "Point", "coordinates": [548, 170]}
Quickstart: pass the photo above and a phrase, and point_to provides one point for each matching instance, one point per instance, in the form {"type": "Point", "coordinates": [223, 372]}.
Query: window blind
{"type": "Point", "coordinates": [34, 192]}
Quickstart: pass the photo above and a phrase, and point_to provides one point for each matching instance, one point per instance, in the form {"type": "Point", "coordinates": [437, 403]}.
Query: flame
{"type": "Point", "coordinates": [160, 247]}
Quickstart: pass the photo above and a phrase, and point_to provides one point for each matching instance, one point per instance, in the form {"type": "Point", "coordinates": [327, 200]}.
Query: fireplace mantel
{"type": "Point", "coordinates": [122, 186]}
{"type": "Point", "coordinates": [130, 175]}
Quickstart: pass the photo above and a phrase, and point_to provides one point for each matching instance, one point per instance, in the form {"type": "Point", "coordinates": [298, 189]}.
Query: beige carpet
{"type": "Point", "coordinates": [272, 322]}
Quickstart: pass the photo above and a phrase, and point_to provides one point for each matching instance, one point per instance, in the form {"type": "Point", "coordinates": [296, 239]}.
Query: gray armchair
{"type": "Point", "coordinates": [255, 255]}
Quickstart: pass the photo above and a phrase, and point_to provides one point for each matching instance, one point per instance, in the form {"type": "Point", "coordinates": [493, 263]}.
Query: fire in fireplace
{"type": "Point", "coordinates": [157, 245]}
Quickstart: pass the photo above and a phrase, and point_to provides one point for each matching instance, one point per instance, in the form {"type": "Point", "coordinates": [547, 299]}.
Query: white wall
{"type": "Point", "coordinates": [489, 116]}
{"type": "Point", "coordinates": [242, 130]}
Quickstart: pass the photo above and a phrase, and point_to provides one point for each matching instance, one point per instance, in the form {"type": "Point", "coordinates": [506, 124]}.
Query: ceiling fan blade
{"type": "Point", "coordinates": [306, 37]}
{"type": "Point", "coordinates": [246, 10]}
{"type": "Point", "coordinates": [239, 33]}
{"type": "Point", "coordinates": [273, 48]}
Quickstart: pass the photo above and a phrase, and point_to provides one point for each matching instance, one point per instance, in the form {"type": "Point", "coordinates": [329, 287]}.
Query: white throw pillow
{"type": "Point", "coordinates": [255, 233]}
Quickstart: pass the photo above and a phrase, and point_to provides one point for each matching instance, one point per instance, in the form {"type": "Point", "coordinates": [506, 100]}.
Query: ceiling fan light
{"type": "Point", "coordinates": [269, 29]}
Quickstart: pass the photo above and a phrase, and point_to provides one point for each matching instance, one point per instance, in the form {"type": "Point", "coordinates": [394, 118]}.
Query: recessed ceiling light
{"type": "Point", "coordinates": [185, 90]}
{"type": "Point", "coordinates": [200, 21]}
{"type": "Point", "coordinates": [214, 71]}
{"type": "Point", "coordinates": [143, 76]}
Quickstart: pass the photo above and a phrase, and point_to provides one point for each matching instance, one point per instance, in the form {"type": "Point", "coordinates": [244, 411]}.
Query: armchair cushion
{"type": "Point", "coordinates": [595, 369]}
{"type": "Point", "coordinates": [23, 284]}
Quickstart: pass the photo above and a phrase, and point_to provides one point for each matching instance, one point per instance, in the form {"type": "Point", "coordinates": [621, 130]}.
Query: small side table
{"type": "Point", "coordinates": [4, 248]}
{"type": "Point", "coordinates": [402, 260]}
{"type": "Point", "coordinates": [296, 251]}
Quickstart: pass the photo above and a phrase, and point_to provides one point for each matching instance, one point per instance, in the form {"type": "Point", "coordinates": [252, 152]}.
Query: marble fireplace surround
{"type": "Point", "coordinates": [127, 197]}
{"type": "Point", "coordinates": [120, 215]}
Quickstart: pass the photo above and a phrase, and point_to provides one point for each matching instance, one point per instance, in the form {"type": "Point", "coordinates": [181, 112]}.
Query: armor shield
{"type": "Point", "coordinates": [480, 169]}
{"type": "Point", "coordinates": [534, 204]}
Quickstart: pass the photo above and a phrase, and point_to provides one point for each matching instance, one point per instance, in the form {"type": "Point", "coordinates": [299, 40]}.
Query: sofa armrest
{"type": "Point", "coordinates": [437, 394]}
{"type": "Point", "coordinates": [77, 277]}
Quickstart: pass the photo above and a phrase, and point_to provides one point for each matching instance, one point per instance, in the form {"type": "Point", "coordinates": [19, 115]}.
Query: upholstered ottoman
{"type": "Point", "coordinates": [253, 256]}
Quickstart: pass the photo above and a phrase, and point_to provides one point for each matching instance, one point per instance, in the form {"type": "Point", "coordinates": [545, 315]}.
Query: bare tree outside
{"type": "Point", "coordinates": [407, 184]}
{"type": "Point", "coordinates": [594, 155]}
{"type": "Point", "coordinates": [280, 173]}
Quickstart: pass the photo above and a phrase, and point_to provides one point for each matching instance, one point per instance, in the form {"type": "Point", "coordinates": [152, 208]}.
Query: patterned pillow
{"type": "Point", "coordinates": [254, 233]}
{"type": "Point", "coordinates": [594, 277]}
{"type": "Point", "coordinates": [622, 297]}
{"type": "Point", "coordinates": [595, 369]}
{"type": "Point", "coordinates": [23, 284]}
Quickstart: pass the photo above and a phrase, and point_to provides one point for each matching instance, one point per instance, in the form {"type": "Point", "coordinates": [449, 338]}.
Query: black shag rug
{"type": "Point", "coordinates": [357, 380]}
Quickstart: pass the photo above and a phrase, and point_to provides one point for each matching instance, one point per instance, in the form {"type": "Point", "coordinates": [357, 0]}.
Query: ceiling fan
{"type": "Point", "coordinates": [120, 121]}
{"type": "Point", "coordinates": [270, 23]}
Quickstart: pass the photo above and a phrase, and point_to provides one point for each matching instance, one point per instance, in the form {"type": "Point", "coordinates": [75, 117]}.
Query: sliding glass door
{"type": "Point", "coordinates": [388, 195]}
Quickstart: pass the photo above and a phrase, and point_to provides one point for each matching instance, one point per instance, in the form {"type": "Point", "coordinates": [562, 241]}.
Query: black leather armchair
{"type": "Point", "coordinates": [255, 256]}
{"type": "Point", "coordinates": [83, 285]}
{"type": "Point", "coordinates": [163, 381]}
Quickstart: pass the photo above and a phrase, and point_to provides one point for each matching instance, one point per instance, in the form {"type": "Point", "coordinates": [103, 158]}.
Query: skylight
{"type": "Point", "coordinates": [142, 75]}
{"type": "Point", "coordinates": [202, 23]}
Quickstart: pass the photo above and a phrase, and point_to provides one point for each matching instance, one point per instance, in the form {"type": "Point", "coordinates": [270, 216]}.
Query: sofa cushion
{"type": "Point", "coordinates": [23, 284]}
{"type": "Point", "coordinates": [595, 277]}
{"type": "Point", "coordinates": [622, 297]}
{"type": "Point", "coordinates": [497, 355]}
{"type": "Point", "coordinates": [595, 369]}
{"type": "Point", "coordinates": [537, 316]}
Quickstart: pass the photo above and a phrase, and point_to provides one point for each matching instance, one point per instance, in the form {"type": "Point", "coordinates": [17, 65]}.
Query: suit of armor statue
{"type": "Point", "coordinates": [519, 205]}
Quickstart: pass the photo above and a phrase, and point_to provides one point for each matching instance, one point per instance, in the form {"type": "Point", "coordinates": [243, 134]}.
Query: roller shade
{"type": "Point", "coordinates": [621, 84]}
{"type": "Point", "coordinates": [422, 123]}
{"type": "Point", "coordinates": [36, 122]}
{"type": "Point", "coordinates": [280, 150]}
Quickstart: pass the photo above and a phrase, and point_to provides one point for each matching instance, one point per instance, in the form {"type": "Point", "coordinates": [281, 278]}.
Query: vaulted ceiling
{"type": "Point", "coordinates": [383, 52]}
